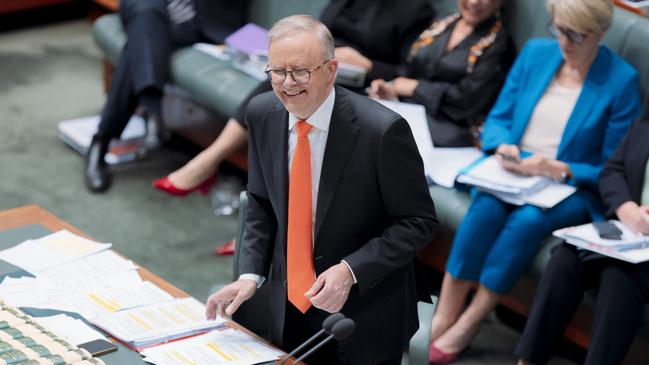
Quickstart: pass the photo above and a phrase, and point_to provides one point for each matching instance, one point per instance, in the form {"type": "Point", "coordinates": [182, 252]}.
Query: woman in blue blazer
{"type": "Point", "coordinates": [568, 102]}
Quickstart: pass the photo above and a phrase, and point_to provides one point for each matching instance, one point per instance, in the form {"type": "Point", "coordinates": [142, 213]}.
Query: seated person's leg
{"type": "Point", "coordinates": [205, 164]}
{"type": "Point", "coordinates": [621, 297]}
{"type": "Point", "coordinates": [557, 297]}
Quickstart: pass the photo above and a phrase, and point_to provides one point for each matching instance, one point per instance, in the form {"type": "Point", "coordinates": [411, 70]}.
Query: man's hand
{"type": "Point", "coordinates": [231, 296]}
{"type": "Point", "coordinates": [635, 217]}
{"type": "Point", "coordinates": [331, 288]}
{"type": "Point", "coordinates": [353, 57]}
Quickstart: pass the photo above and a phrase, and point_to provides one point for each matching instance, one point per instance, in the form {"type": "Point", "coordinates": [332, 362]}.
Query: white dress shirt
{"type": "Point", "coordinates": [320, 121]}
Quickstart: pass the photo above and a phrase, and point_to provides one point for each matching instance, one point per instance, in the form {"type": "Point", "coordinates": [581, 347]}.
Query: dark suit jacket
{"type": "Point", "coordinates": [623, 175]}
{"type": "Point", "coordinates": [217, 18]}
{"type": "Point", "coordinates": [373, 210]}
{"type": "Point", "coordinates": [383, 34]}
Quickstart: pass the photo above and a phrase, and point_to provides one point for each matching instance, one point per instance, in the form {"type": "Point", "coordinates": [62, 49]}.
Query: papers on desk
{"type": "Point", "coordinates": [71, 329]}
{"type": "Point", "coordinates": [54, 249]}
{"type": "Point", "coordinates": [229, 346]}
{"type": "Point", "coordinates": [631, 247]}
{"type": "Point", "coordinates": [158, 323]}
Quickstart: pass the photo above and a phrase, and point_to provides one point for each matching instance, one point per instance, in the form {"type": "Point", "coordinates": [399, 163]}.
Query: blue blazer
{"type": "Point", "coordinates": [608, 103]}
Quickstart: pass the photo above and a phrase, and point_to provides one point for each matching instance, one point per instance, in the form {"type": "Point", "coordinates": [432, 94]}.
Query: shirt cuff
{"type": "Point", "coordinates": [350, 270]}
{"type": "Point", "coordinates": [254, 277]}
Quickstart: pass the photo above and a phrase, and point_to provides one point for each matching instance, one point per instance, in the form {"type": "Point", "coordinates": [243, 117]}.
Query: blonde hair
{"type": "Point", "coordinates": [303, 23]}
{"type": "Point", "coordinates": [584, 16]}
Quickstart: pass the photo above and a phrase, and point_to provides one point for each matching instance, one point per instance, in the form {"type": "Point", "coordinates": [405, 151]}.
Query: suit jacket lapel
{"type": "Point", "coordinates": [340, 143]}
{"type": "Point", "coordinates": [587, 99]}
{"type": "Point", "coordinates": [278, 134]}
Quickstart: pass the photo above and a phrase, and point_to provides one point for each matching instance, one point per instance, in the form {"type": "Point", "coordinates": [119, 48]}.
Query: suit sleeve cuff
{"type": "Point", "coordinates": [256, 278]}
{"type": "Point", "coordinates": [350, 270]}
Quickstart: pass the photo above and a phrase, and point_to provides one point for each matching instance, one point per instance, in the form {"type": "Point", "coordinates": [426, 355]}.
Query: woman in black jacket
{"type": "Point", "coordinates": [621, 288]}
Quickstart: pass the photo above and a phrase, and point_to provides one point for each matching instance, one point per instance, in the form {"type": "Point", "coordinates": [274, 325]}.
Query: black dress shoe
{"type": "Point", "coordinates": [98, 176]}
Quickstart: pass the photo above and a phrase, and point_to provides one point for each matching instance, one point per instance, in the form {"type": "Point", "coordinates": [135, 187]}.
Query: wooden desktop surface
{"type": "Point", "coordinates": [35, 214]}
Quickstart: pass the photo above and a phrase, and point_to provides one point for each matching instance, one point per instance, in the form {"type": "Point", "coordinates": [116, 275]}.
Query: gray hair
{"type": "Point", "coordinates": [303, 23]}
{"type": "Point", "coordinates": [583, 15]}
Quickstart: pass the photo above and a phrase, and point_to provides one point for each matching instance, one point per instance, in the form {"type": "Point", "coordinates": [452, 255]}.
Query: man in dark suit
{"type": "Point", "coordinates": [339, 232]}
{"type": "Point", "coordinates": [154, 28]}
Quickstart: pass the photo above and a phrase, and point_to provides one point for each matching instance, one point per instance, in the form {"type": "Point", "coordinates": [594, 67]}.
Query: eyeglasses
{"type": "Point", "coordinates": [278, 76]}
{"type": "Point", "coordinates": [573, 36]}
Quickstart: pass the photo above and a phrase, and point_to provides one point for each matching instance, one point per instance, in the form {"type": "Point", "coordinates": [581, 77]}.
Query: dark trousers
{"type": "Point", "coordinates": [621, 292]}
{"type": "Point", "coordinates": [144, 63]}
{"type": "Point", "coordinates": [299, 327]}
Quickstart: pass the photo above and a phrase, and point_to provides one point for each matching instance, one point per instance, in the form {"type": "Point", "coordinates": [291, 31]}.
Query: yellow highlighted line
{"type": "Point", "coordinates": [102, 303]}
{"type": "Point", "coordinates": [140, 321]}
{"type": "Point", "coordinates": [247, 348]}
{"type": "Point", "coordinates": [170, 316]}
{"type": "Point", "coordinates": [186, 311]}
{"type": "Point", "coordinates": [180, 357]}
{"type": "Point", "coordinates": [218, 351]}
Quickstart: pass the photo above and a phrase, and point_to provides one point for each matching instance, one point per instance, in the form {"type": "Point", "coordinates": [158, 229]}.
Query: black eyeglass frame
{"type": "Point", "coordinates": [573, 36]}
{"type": "Point", "coordinates": [292, 73]}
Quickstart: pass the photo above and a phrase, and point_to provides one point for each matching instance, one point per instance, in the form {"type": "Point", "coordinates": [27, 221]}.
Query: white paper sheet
{"type": "Point", "coordinates": [446, 163]}
{"type": "Point", "coordinates": [157, 321]}
{"type": "Point", "coordinates": [229, 347]}
{"type": "Point", "coordinates": [73, 330]}
{"type": "Point", "coordinates": [54, 249]}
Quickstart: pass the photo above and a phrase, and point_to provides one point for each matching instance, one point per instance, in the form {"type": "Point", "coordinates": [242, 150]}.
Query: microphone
{"type": "Point", "coordinates": [327, 326]}
{"type": "Point", "coordinates": [340, 330]}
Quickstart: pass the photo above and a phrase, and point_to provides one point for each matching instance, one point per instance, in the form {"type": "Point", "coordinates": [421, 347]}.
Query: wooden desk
{"type": "Point", "coordinates": [34, 214]}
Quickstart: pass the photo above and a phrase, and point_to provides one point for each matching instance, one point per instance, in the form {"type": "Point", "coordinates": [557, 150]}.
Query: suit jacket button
{"type": "Point", "coordinates": [284, 283]}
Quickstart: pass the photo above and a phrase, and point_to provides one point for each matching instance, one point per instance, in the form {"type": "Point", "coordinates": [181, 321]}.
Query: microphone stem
{"type": "Point", "coordinates": [314, 349]}
{"type": "Point", "coordinates": [301, 347]}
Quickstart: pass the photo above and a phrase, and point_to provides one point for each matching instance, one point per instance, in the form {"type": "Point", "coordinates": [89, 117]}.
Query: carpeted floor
{"type": "Point", "coordinates": [52, 73]}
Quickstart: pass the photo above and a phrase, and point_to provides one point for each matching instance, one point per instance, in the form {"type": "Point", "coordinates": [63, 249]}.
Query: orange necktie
{"type": "Point", "coordinates": [299, 260]}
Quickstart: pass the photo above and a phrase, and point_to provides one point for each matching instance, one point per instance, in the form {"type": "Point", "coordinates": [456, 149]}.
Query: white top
{"type": "Point", "coordinates": [549, 119]}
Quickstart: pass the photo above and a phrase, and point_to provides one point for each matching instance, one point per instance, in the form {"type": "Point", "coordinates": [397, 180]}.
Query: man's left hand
{"type": "Point", "coordinates": [331, 288]}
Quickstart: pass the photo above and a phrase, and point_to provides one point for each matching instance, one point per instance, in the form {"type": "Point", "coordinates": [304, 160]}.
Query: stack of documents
{"type": "Point", "coordinates": [631, 247]}
{"type": "Point", "coordinates": [78, 133]}
{"type": "Point", "coordinates": [488, 175]}
{"type": "Point", "coordinates": [229, 346]}
{"type": "Point", "coordinates": [150, 325]}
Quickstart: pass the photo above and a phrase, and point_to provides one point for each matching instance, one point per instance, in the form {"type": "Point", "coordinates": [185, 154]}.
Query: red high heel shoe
{"type": "Point", "coordinates": [437, 356]}
{"type": "Point", "coordinates": [164, 184]}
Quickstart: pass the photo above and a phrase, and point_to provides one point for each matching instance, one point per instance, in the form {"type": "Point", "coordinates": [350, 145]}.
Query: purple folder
{"type": "Point", "coordinates": [250, 39]}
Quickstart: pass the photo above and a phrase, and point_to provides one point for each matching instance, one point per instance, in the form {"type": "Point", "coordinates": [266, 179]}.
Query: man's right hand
{"type": "Point", "coordinates": [231, 296]}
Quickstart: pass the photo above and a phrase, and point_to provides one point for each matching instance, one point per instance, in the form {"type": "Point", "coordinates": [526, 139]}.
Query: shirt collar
{"type": "Point", "coordinates": [321, 118]}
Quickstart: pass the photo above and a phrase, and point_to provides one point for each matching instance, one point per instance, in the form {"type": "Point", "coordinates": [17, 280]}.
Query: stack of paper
{"type": "Point", "coordinates": [158, 323]}
{"type": "Point", "coordinates": [631, 247]}
{"type": "Point", "coordinates": [488, 175]}
{"type": "Point", "coordinates": [229, 346]}
{"type": "Point", "coordinates": [54, 249]}
{"type": "Point", "coordinates": [78, 133]}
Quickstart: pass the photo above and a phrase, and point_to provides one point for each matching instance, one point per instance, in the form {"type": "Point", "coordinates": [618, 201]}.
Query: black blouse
{"type": "Point", "coordinates": [381, 30]}
{"type": "Point", "coordinates": [445, 88]}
